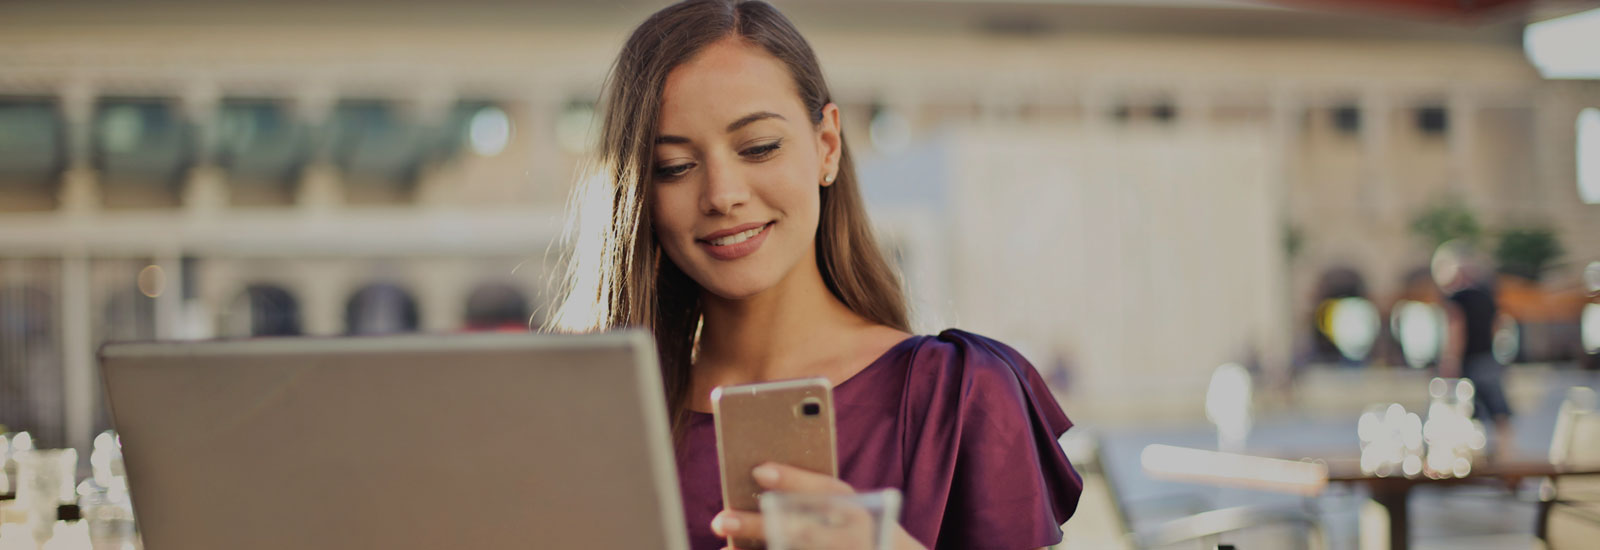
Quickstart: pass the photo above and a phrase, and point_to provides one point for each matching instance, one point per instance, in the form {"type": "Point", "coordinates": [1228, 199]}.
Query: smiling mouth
{"type": "Point", "coordinates": [740, 237]}
{"type": "Point", "coordinates": [737, 245]}
{"type": "Point", "coordinates": [737, 238]}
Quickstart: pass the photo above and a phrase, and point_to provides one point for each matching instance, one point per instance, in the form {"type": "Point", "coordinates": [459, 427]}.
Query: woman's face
{"type": "Point", "coordinates": [737, 170]}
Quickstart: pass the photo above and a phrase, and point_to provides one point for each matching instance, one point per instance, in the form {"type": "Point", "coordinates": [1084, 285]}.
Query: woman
{"type": "Point", "coordinates": [724, 216]}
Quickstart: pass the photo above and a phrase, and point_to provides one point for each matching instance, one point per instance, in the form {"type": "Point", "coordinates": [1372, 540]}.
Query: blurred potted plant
{"type": "Point", "coordinates": [1446, 220]}
{"type": "Point", "coordinates": [1527, 251]}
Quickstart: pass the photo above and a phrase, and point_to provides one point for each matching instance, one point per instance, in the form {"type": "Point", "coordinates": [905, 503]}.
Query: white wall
{"type": "Point", "coordinates": [1144, 258]}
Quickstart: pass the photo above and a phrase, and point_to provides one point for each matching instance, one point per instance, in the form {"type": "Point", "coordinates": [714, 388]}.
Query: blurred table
{"type": "Point", "coordinates": [1393, 492]}
{"type": "Point", "coordinates": [1309, 474]}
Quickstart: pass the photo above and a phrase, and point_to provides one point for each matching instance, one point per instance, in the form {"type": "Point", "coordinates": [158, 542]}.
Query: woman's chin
{"type": "Point", "coordinates": [737, 289]}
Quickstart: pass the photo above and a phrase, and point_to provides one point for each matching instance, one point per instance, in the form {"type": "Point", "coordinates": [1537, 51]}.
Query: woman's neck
{"type": "Point", "coordinates": [787, 331]}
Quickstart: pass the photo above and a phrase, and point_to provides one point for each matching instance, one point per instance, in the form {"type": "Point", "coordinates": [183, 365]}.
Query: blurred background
{"type": "Point", "coordinates": [1143, 196]}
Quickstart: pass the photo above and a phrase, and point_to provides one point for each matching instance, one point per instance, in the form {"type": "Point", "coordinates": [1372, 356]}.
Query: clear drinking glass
{"type": "Point", "coordinates": [804, 521]}
{"type": "Point", "coordinates": [108, 513]}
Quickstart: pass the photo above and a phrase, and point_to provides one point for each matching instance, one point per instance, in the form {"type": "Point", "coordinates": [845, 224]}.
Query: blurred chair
{"type": "Point", "coordinates": [1569, 508]}
{"type": "Point", "coordinates": [1105, 520]}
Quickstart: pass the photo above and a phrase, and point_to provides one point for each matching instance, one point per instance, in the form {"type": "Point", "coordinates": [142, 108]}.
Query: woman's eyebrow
{"type": "Point", "coordinates": [752, 117]}
{"type": "Point", "coordinates": [737, 124]}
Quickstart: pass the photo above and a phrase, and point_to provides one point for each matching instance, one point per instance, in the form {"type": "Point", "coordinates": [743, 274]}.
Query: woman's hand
{"type": "Point", "coordinates": [849, 530]}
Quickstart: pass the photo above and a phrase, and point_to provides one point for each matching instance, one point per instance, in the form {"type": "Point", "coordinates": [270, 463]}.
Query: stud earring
{"type": "Point", "coordinates": [828, 178]}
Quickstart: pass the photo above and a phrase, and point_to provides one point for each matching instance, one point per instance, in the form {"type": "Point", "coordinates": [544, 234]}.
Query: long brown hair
{"type": "Point", "coordinates": [617, 275]}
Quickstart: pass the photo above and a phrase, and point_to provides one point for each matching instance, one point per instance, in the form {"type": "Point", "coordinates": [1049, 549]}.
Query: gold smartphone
{"type": "Point", "coordinates": [788, 422]}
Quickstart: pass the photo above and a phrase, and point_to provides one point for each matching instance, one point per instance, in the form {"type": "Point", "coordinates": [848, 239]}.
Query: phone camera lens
{"type": "Point", "coordinates": [811, 409]}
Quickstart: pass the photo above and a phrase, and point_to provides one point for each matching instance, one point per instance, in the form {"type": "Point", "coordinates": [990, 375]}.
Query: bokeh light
{"type": "Point", "coordinates": [1450, 432]}
{"type": "Point", "coordinates": [1228, 400]}
{"type": "Point", "coordinates": [105, 461]}
{"type": "Point", "coordinates": [1391, 441]}
{"type": "Point", "coordinates": [1591, 328]}
{"type": "Point", "coordinates": [152, 280]}
{"type": "Point", "coordinates": [1420, 330]}
{"type": "Point", "coordinates": [121, 128]}
{"type": "Point", "coordinates": [1352, 324]}
{"type": "Point", "coordinates": [1448, 261]}
{"type": "Point", "coordinates": [1507, 339]}
{"type": "Point", "coordinates": [489, 131]}
{"type": "Point", "coordinates": [1465, 392]}
{"type": "Point", "coordinates": [22, 441]}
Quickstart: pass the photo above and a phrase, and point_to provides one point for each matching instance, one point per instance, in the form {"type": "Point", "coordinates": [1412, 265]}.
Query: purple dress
{"type": "Point", "coordinates": [959, 423]}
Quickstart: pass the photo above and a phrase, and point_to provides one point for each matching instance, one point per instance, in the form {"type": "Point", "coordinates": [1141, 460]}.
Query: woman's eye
{"type": "Point", "coordinates": [761, 151]}
{"type": "Point", "coordinates": [669, 172]}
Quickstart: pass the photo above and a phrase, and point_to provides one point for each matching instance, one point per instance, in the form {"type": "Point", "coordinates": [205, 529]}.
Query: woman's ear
{"type": "Point", "coordinates": [830, 141]}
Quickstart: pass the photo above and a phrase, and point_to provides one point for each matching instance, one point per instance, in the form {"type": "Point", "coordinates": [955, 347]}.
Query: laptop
{"type": "Point", "coordinates": [450, 441]}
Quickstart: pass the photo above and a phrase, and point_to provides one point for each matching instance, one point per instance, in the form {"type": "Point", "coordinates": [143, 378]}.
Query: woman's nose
{"type": "Point", "coordinates": [725, 189]}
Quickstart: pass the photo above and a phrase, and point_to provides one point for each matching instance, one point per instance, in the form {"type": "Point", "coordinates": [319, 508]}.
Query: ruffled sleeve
{"type": "Point", "coordinates": [983, 469]}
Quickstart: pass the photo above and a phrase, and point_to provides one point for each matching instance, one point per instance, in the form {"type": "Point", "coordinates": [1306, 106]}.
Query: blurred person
{"type": "Point", "coordinates": [733, 229]}
{"type": "Point", "coordinates": [1468, 285]}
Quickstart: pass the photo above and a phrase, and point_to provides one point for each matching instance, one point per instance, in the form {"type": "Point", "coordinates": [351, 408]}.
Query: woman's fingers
{"type": "Point", "coordinates": [737, 524]}
{"type": "Point", "coordinates": [826, 523]}
{"type": "Point", "coordinates": [839, 527]}
{"type": "Point", "coordinates": [781, 477]}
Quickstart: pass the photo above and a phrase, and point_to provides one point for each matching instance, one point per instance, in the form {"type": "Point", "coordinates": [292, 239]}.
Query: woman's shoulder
{"type": "Point", "coordinates": [956, 374]}
{"type": "Point", "coordinates": [958, 355]}
{"type": "Point", "coordinates": [962, 372]}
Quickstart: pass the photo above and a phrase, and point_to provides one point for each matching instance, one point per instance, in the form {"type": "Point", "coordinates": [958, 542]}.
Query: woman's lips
{"type": "Point", "coordinates": [737, 250]}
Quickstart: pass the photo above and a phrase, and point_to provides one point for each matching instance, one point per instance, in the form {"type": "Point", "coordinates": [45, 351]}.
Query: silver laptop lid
{"type": "Point", "coordinates": [460, 441]}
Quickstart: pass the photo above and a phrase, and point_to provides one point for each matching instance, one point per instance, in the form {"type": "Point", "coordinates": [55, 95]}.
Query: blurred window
{"type": "Point", "coordinates": [380, 308]}
{"type": "Point", "coordinates": [1433, 120]}
{"type": "Point", "coordinates": [1161, 112]}
{"type": "Point", "coordinates": [262, 148]}
{"type": "Point", "coordinates": [1122, 113]}
{"type": "Point", "coordinates": [1347, 118]}
{"type": "Point", "coordinates": [143, 149]}
{"type": "Point", "coordinates": [497, 306]}
{"type": "Point", "coordinates": [1589, 155]}
{"type": "Point", "coordinates": [1164, 112]}
{"type": "Point", "coordinates": [478, 127]}
{"type": "Point", "coordinates": [262, 310]}
{"type": "Point", "coordinates": [32, 152]}
{"type": "Point", "coordinates": [380, 152]}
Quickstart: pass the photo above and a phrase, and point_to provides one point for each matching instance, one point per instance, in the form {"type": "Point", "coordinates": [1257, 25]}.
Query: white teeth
{"type": "Point", "coordinates": [737, 238]}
